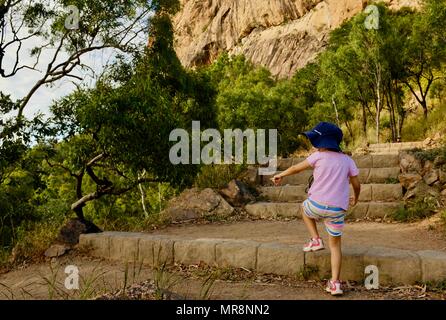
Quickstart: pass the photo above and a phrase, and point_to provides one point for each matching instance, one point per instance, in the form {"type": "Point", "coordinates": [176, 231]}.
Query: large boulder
{"type": "Point", "coordinates": [70, 232]}
{"type": "Point", "coordinates": [409, 180]}
{"type": "Point", "coordinates": [442, 177]}
{"type": "Point", "coordinates": [439, 160]}
{"type": "Point", "coordinates": [195, 203]}
{"type": "Point", "coordinates": [237, 193]}
{"type": "Point", "coordinates": [250, 176]}
{"type": "Point", "coordinates": [421, 189]}
{"type": "Point", "coordinates": [56, 250]}
{"type": "Point", "coordinates": [409, 163]}
{"type": "Point", "coordinates": [427, 167]}
{"type": "Point", "coordinates": [431, 176]}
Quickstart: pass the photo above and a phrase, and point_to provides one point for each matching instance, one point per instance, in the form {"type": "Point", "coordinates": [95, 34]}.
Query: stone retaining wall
{"type": "Point", "coordinates": [271, 210]}
{"type": "Point", "coordinates": [369, 192]}
{"type": "Point", "coordinates": [395, 266]}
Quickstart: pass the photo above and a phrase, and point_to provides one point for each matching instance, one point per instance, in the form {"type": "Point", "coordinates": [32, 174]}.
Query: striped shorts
{"type": "Point", "coordinates": [333, 217]}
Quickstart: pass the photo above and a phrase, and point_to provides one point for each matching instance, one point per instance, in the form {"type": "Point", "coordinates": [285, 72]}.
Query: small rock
{"type": "Point", "coordinates": [237, 193]}
{"type": "Point", "coordinates": [431, 176]}
{"type": "Point", "coordinates": [409, 180]}
{"type": "Point", "coordinates": [427, 167]}
{"type": "Point", "coordinates": [71, 231]}
{"type": "Point", "coordinates": [409, 164]}
{"type": "Point", "coordinates": [421, 189]}
{"type": "Point", "coordinates": [56, 250]}
{"type": "Point", "coordinates": [442, 176]}
{"type": "Point", "coordinates": [439, 160]}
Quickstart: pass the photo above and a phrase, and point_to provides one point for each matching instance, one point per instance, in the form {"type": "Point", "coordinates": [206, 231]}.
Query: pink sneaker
{"type": "Point", "coordinates": [314, 245]}
{"type": "Point", "coordinates": [334, 287]}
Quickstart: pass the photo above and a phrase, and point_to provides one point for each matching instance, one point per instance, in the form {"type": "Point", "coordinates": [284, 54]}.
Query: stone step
{"type": "Point", "coordinates": [362, 161]}
{"type": "Point", "coordinates": [396, 145]}
{"type": "Point", "coordinates": [369, 192]}
{"type": "Point", "coordinates": [379, 152]}
{"type": "Point", "coordinates": [395, 266]}
{"type": "Point", "coordinates": [273, 210]}
{"type": "Point", "coordinates": [366, 175]}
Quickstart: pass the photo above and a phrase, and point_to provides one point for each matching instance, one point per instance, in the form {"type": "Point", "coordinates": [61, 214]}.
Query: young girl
{"type": "Point", "coordinates": [328, 196]}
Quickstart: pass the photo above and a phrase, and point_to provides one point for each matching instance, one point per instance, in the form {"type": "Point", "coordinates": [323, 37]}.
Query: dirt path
{"type": "Point", "coordinates": [414, 236]}
{"type": "Point", "coordinates": [99, 277]}
{"type": "Point", "coordinates": [46, 280]}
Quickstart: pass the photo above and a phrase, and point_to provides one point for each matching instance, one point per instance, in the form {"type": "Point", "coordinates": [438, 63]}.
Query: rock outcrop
{"type": "Point", "coordinates": [70, 232]}
{"type": "Point", "coordinates": [422, 177]}
{"type": "Point", "coordinates": [195, 203]}
{"type": "Point", "coordinates": [282, 35]}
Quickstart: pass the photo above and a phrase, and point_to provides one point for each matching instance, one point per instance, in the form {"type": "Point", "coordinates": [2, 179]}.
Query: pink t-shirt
{"type": "Point", "coordinates": [332, 171]}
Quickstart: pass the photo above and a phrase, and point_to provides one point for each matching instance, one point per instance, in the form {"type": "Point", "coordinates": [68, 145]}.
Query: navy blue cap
{"type": "Point", "coordinates": [325, 135]}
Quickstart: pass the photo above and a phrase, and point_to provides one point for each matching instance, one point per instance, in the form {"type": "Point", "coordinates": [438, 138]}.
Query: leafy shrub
{"type": "Point", "coordinates": [391, 180]}
{"type": "Point", "coordinates": [419, 208]}
{"type": "Point", "coordinates": [35, 238]}
{"type": "Point", "coordinates": [437, 286]}
{"type": "Point", "coordinates": [415, 130]}
{"type": "Point", "coordinates": [430, 154]}
{"type": "Point", "coordinates": [217, 176]}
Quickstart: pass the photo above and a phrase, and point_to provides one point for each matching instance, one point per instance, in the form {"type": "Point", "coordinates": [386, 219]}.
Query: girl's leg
{"type": "Point", "coordinates": [311, 225]}
{"type": "Point", "coordinates": [336, 256]}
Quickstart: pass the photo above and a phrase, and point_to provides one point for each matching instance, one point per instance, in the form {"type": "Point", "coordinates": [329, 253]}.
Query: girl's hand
{"type": "Point", "coordinates": [353, 201]}
{"type": "Point", "coordinates": [276, 180]}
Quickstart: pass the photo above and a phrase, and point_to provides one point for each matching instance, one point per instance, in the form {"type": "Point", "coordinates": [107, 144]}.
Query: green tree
{"type": "Point", "coordinates": [248, 97]}
{"type": "Point", "coordinates": [116, 136]}
{"type": "Point", "coordinates": [103, 24]}
{"type": "Point", "coordinates": [424, 51]}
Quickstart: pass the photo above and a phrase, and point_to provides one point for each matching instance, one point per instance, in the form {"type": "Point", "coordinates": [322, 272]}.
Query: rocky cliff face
{"type": "Point", "coordinates": [282, 35]}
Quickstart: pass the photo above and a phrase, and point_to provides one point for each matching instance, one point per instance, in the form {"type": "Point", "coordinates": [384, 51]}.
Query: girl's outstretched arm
{"type": "Point", "coordinates": [301, 166]}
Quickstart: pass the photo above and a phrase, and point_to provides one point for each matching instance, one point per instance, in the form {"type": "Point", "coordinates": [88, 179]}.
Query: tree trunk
{"type": "Point", "coordinates": [377, 125]}
{"type": "Point", "coordinates": [336, 110]}
{"type": "Point", "coordinates": [350, 131]}
{"type": "Point", "coordinates": [400, 125]}
{"type": "Point", "coordinates": [79, 213]}
{"type": "Point", "coordinates": [378, 100]}
{"type": "Point", "coordinates": [143, 195]}
{"type": "Point", "coordinates": [391, 108]}
{"type": "Point", "coordinates": [364, 120]}
{"type": "Point", "coordinates": [423, 103]}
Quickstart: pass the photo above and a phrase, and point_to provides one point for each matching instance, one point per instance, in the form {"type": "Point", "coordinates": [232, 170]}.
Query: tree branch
{"type": "Point", "coordinates": [108, 191]}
